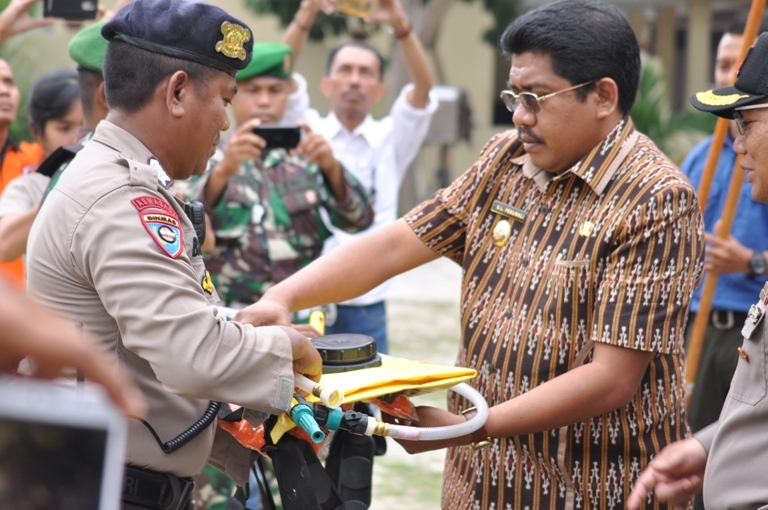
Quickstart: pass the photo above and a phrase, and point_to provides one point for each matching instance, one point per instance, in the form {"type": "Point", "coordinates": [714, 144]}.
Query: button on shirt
{"type": "Point", "coordinates": [614, 259]}
{"type": "Point", "coordinates": [735, 291]}
{"type": "Point", "coordinates": [377, 153]}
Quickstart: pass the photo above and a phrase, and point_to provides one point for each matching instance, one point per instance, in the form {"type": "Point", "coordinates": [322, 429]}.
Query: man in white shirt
{"type": "Point", "coordinates": [376, 152]}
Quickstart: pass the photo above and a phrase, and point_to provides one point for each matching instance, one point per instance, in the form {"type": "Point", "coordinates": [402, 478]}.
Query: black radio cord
{"type": "Point", "coordinates": [188, 435]}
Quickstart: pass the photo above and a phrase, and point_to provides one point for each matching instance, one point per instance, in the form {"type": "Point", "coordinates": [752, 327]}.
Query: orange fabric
{"type": "Point", "coordinates": [16, 159]}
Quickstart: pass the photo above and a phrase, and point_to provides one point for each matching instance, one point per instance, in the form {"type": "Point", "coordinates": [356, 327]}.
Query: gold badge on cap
{"type": "Point", "coordinates": [287, 63]}
{"type": "Point", "coordinates": [709, 99]}
{"type": "Point", "coordinates": [234, 38]}
{"type": "Point", "coordinates": [501, 233]}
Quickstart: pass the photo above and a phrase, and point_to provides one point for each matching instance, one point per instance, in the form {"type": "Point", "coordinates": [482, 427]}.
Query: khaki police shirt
{"type": "Point", "coordinates": [93, 257]}
{"type": "Point", "coordinates": [736, 477]}
{"type": "Point", "coordinates": [23, 194]}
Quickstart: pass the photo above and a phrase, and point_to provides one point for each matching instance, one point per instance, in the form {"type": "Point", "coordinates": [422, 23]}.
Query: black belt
{"type": "Point", "coordinates": [154, 490]}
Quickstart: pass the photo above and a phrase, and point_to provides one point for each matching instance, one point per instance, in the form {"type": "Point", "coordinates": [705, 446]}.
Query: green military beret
{"type": "Point", "coordinates": [88, 48]}
{"type": "Point", "coordinates": [269, 59]}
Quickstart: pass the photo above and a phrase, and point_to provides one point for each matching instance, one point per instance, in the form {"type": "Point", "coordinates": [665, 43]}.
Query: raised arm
{"type": "Point", "coordinates": [392, 13]}
{"type": "Point", "coordinates": [298, 31]}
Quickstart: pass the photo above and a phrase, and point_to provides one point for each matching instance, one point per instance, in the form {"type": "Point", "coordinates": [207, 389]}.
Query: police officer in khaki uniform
{"type": "Point", "coordinates": [734, 449]}
{"type": "Point", "coordinates": [111, 248]}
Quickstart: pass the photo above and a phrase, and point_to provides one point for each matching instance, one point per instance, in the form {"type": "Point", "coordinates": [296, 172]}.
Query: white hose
{"type": "Point", "coordinates": [330, 397]}
{"type": "Point", "coordinates": [447, 432]}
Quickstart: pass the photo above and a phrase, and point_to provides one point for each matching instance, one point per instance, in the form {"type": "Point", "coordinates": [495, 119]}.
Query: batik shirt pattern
{"type": "Point", "coordinates": [610, 251]}
{"type": "Point", "coordinates": [268, 222]}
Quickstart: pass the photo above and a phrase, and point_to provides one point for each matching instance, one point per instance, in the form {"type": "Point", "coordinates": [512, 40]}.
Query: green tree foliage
{"type": "Point", "coordinates": [503, 12]}
{"type": "Point", "coordinates": [675, 133]}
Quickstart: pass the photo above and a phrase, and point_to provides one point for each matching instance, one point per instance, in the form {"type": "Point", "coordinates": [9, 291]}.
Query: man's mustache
{"type": "Point", "coordinates": [528, 135]}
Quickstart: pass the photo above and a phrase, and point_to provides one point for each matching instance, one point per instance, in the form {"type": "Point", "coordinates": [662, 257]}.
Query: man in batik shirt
{"type": "Point", "coordinates": [265, 205]}
{"type": "Point", "coordinates": [581, 245]}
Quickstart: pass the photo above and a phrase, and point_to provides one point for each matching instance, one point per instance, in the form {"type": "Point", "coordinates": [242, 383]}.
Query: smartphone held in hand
{"type": "Point", "coordinates": [70, 9]}
{"type": "Point", "coordinates": [279, 137]}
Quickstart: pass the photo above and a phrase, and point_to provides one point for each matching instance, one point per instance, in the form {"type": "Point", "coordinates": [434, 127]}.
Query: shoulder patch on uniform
{"type": "Point", "coordinates": [162, 223]}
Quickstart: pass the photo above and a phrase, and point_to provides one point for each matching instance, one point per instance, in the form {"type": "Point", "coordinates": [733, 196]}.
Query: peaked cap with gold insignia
{"type": "Point", "coordinates": [184, 29]}
{"type": "Point", "coordinates": [751, 84]}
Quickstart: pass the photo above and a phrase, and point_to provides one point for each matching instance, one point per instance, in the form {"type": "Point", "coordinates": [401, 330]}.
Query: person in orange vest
{"type": "Point", "coordinates": [14, 157]}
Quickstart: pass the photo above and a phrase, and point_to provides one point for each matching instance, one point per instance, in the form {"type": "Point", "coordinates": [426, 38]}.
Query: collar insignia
{"type": "Point", "coordinates": [163, 178]}
{"type": "Point", "coordinates": [234, 38]}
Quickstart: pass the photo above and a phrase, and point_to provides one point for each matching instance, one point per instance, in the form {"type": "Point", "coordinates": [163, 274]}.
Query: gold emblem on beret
{"type": "Point", "coordinates": [234, 38]}
{"type": "Point", "coordinates": [709, 99]}
{"type": "Point", "coordinates": [287, 63]}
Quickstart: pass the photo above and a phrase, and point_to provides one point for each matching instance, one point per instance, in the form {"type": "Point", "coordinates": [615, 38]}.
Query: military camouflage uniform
{"type": "Point", "coordinates": [213, 489]}
{"type": "Point", "coordinates": [268, 222]}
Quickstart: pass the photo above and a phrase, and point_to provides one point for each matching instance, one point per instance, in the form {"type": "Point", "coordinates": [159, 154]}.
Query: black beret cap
{"type": "Point", "coordinates": [751, 84]}
{"type": "Point", "coordinates": [184, 29]}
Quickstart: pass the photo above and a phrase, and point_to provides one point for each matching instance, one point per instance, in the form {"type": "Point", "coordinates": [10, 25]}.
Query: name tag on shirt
{"type": "Point", "coordinates": [507, 210]}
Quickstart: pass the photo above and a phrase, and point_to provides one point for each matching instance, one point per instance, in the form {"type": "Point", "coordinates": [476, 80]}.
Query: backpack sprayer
{"type": "Point", "coordinates": [353, 352]}
{"type": "Point", "coordinates": [344, 483]}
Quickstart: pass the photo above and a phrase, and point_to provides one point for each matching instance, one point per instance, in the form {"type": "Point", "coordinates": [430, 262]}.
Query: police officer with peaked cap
{"type": "Point", "coordinates": [728, 458]}
{"type": "Point", "coordinates": [112, 249]}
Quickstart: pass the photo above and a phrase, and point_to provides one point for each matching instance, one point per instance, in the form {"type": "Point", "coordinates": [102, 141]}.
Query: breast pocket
{"type": "Point", "coordinates": [568, 285]}
{"type": "Point", "coordinates": [302, 198]}
{"type": "Point", "coordinates": [749, 381]}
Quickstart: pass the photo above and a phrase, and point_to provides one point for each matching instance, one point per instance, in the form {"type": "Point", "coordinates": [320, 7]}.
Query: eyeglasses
{"type": "Point", "coordinates": [531, 101]}
{"type": "Point", "coordinates": [740, 120]}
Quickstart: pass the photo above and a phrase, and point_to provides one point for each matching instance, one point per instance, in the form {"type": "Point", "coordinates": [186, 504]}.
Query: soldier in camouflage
{"type": "Point", "coordinates": [267, 206]}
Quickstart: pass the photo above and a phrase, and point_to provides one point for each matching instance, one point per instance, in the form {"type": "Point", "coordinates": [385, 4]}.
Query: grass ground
{"type": "Point", "coordinates": [417, 331]}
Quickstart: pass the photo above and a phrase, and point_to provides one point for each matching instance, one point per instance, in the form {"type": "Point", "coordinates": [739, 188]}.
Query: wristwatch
{"type": "Point", "coordinates": [756, 265]}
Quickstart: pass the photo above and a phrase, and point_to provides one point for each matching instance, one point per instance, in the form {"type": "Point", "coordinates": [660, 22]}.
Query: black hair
{"type": "Point", "coordinates": [89, 83]}
{"type": "Point", "coordinates": [132, 74]}
{"type": "Point", "coordinates": [585, 40]}
{"type": "Point", "coordinates": [51, 98]}
{"type": "Point", "coordinates": [357, 44]}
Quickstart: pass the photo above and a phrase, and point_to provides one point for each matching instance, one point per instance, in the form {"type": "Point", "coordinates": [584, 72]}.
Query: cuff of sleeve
{"type": "Point", "coordinates": [403, 107]}
{"type": "Point", "coordinates": [707, 435]}
{"type": "Point", "coordinates": [351, 201]}
{"type": "Point", "coordinates": [283, 368]}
